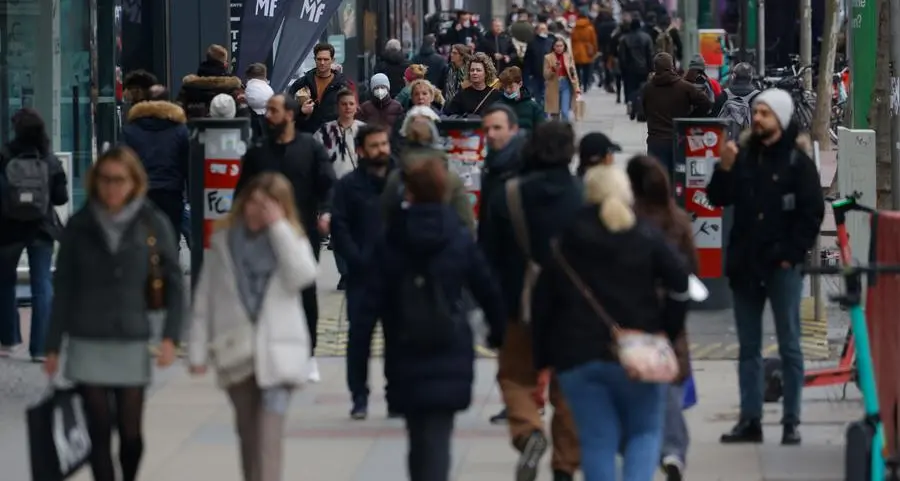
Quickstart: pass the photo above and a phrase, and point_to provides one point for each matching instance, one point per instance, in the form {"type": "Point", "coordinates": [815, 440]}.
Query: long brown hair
{"type": "Point", "coordinates": [654, 202]}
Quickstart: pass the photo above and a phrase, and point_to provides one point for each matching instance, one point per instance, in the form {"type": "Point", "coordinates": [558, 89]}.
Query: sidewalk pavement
{"type": "Point", "coordinates": [190, 434]}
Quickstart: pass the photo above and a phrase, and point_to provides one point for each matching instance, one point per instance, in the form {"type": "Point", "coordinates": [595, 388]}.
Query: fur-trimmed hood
{"type": "Point", "coordinates": [157, 109]}
{"type": "Point", "coordinates": [802, 140]}
{"type": "Point", "coordinates": [219, 84]}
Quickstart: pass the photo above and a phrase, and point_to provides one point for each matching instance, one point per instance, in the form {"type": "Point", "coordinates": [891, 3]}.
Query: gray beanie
{"type": "Point", "coordinates": [697, 63]}
{"type": "Point", "coordinates": [780, 102]}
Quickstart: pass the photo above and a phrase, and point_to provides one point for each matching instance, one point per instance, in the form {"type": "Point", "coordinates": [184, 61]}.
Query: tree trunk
{"type": "Point", "coordinates": [822, 116]}
{"type": "Point", "coordinates": [880, 110]}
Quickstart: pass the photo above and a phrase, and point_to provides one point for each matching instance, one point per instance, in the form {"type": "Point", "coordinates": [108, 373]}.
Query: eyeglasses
{"type": "Point", "coordinates": [116, 180]}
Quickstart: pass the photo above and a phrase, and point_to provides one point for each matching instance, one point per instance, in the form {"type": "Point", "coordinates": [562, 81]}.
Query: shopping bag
{"type": "Point", "coordinates": [58, 440]}
{"type": "Point", "coordinates": [690, 393]}
{"type": "Point", "coordinates": [579, 107]}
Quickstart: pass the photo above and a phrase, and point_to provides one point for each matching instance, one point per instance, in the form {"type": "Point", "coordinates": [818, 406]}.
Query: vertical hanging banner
{"type": "Point", "coordinates": [258, 26]}
{"type": "Point", "coordinates": [303, 27]}
{"type": "Point", "coordinates": [237, 10]}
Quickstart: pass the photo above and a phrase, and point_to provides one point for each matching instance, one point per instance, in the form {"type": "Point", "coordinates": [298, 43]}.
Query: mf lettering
{"type": "Point", "coordinates": [267, 7]}
{"type": "Point", "coordinates": [312, 10]}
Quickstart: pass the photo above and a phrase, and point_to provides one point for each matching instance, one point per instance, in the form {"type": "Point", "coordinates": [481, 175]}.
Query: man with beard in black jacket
{"type": "Point", "coordinates": [393, 64]}
{"type": "Point", "coordinates": [498, 45]}
{"type": "Point", "coordinates": [437, 64]}
{"type": "Point", "coordinates": [769, 178]}
{"type": "Point", "coordinates": [319, 88]}
{"type": "Point", "coordinates": [306, 164]}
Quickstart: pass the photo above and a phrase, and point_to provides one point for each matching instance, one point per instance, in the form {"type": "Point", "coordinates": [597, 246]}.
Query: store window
{"type": "Point", "coordinates": [44, 60]}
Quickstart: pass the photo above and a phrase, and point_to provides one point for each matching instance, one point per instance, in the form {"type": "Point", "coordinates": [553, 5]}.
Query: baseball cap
{"type": "Point", "coordinates": [597, 145]}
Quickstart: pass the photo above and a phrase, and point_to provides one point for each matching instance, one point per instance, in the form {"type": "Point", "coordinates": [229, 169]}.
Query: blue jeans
{"type": "Point", "coordinates": [565, 98]}
{"type": "Point", "coordinates": [611, 410]}
{"type": "Point", "coordinates": [782, 288]}
{"type": "Point", "coordinates": [675, 432]}
{"type": "Point", "coordinates": [40, 258]}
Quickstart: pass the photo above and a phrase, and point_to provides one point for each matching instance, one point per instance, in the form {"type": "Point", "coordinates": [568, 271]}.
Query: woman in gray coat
{"type": "Point", "coordinates": [117, 262]}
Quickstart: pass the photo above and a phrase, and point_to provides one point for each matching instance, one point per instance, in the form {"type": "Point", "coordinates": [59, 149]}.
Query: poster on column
{"type": "Point", "coordinates": [304, 25]}
{"type": "Point", "coordinates": [221, 171]}
{"type": "Point", "coordinates": [259, 24]}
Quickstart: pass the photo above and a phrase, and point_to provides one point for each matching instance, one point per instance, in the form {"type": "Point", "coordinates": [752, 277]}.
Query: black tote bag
{"type": "Point", "coordinates": [58, 440]}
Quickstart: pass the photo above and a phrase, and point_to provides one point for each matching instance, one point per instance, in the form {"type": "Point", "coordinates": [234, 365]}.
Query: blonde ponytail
{"type": "Point", "coordinates": [609, 187]}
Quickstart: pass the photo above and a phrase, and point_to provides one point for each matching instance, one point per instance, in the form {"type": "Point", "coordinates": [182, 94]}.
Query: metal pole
{"type": "Point", "coordinates": [745, 28]}
{"type": "Point", "coordinates": [895, 104]}
{"type": "Point", "coordinates": [761, 38]}
{"type": "Point", "coordinates": [692, 37]}
{"type": "Point", "coordinates": [816, 281]}
{"type": "Point", "coordinates": [806, 41]}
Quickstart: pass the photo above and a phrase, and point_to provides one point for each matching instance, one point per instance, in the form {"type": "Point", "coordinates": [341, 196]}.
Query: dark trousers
{"type": "Point", "coordinates": [632, 82]}
{"type": "Point", "coordinates": [311, 301]}
{"type": "Point", "coordinates": [664, 152]}
{"type": "Point", "coordinates": [171, 203]}
{"type": "Point", "coordinates": [430, 435]}
{"type": "Point", "coordinates": [359, 343]}
{"type": "Point", "coordinates": [585, 76]}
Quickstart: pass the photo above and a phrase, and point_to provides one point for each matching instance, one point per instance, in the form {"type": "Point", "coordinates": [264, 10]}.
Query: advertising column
{"type": "Point", "coordinates": [464, 142]}
{"type": "Point", "coordinates": [698, 145]}
{"type": "Point", "coordinates": [863, 48]}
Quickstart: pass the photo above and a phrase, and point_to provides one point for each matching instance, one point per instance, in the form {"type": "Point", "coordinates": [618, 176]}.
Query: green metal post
{"type": "Point", "coordinates": [752, 25]}
{"type": "Point", "coordinates": [863, 46]}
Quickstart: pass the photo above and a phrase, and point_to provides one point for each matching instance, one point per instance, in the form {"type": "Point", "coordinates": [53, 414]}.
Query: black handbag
{"type": "Point", "coordinates": [58, 440]}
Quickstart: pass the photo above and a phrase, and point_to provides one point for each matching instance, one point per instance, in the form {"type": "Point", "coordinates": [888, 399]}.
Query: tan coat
{"type": "Point", "coordinates": [551, 92]}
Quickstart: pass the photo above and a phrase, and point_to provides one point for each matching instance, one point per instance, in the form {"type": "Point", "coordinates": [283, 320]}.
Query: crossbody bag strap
{"type": "Point", "coordinates": [487, 96]}
{"type": "Point", "coordinates": [517, 215]}
{"type": "Point", "coordinates": [585, 291]}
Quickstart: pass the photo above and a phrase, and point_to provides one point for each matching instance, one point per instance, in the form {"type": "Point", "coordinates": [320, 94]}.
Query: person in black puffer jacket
{"type": "Point", "coordinates": [393, 64]}
{"type": "Point", "coordinates": [156, 131]}
{"type": "Point", "coordinates": [437, 65]}
{"type": "Point", "coordinates": [429, 385]}
{"type": "Point", "coordinates": [212, 78]}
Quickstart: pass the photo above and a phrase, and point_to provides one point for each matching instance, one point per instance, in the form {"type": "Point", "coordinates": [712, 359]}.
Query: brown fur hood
{"type": "Point", "coordinates": [803, 142]}
{"type": "Point", "coordinates": [223, 84]}
{"type": "Point", "coordinates": [157, 109]}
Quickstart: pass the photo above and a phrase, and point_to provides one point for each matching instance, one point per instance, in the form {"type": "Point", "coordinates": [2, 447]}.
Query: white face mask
{"type": "Point", "coordinates": [542, 35]}
{"type": "Point", "coordinates": [380, 93]}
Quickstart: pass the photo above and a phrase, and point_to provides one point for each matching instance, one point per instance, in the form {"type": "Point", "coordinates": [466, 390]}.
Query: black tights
{"type": "Point", "coordinates": [123, 407]}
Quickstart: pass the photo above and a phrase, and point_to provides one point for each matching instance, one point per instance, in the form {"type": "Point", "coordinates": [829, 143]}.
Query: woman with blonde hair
{"type": "Point", "coordinates": [248, 322]}
{"type": "Point", "coordinates": [479, 91]}
{"type": "Point", "coordinates": [422, 92]}
{"type": "Point", "coordinates": [598, 294]}
{"type": "Point", "coordinates": [117, 263]}
{"type": "Point", "coordinates": [413, 72]}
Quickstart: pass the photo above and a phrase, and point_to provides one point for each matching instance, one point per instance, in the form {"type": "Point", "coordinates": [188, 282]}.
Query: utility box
{"type": "Point", "coordinates": [856, 174]}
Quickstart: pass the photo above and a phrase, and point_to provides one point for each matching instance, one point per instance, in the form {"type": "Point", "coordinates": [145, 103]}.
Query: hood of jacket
{"type": "Point", "coordinates": [156, 114]}
{"type": "Point", "coordinates": [665, 78]}
{"type": "Point", "coordinates": [427, 50]}
{"type": "Point", "coordinates": [209, 68]}
{"type": "Point", "coordinates": [393, 57]}
{"type": "Point", "coordinates": [222, 84]}
{"type": "Point", "coordinates": [741, 88]}
{"type": "Point", "coordinates": [424, 229]}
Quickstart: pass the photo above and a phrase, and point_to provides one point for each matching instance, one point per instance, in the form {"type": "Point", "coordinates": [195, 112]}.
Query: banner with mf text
{"type": "Point", "coordinates": [303, 27]}
{"type": "Point", "coordinates": [259, 24]}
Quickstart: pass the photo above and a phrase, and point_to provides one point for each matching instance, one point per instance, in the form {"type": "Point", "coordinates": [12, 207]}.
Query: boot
{"type": "Point", "coordinates": [745, 431]}
{"type": "Point", "coordinates": [790, 436]}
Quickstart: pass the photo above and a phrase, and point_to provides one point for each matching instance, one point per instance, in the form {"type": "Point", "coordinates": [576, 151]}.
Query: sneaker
{"type": "Point", "coordinates": [499, 418]}
{"type": "Point", "coordinates": [790, 436]}
{"type": "Point", "coordinates": [673, 467]}
{"type": "Point", "coordinates": [314, 375]}
{"type": "Point", "coordinates": [533, 449]}
{"type": "Point", "coordinates": [745, 431]}
{"type": "Point", "coordinates": [7, 351]}
{"type": "Point", "coordinates": [38, 359]}
{"type": "Point", "coordinates": [359, 411]}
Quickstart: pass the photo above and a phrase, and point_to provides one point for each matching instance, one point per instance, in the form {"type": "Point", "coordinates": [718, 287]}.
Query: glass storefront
{"type": "Point", "coordinates": [45, 64]}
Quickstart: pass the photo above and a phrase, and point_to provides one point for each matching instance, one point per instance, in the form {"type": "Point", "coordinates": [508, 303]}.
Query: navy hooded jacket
{"type": "Point", "coordinates": [434, 380]}
{"type": "Point", "coordinates": [156, 131]}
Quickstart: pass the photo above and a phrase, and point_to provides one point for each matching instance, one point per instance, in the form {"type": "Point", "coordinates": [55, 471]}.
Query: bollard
{"type": "Point", "coordinates": [697, 147]}
{"type": "Point", "coordinates": [217, 147]}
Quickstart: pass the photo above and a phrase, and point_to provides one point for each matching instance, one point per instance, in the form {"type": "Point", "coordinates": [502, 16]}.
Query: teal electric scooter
{"type": "Point", "coordinates": [864, 452]}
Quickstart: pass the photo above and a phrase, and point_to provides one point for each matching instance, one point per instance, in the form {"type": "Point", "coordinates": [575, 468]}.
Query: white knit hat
{"type": "Point", "coordinates": [222, 107]}
{"type": "Point", "coordinates": [780, 102]}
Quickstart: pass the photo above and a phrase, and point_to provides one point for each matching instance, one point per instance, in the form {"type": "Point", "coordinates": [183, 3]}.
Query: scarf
{"type": "Point", "coordinates": [254, 262]}
{"type": "Point", "coordinates": [114, 225]}
{"type": "Point", "coordinates": [454, 82]}
{"type": "Point", "coordinates": [340, 143]}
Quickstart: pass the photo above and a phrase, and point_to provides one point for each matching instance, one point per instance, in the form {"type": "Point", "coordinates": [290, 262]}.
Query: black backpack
{"type": "Point", "coordinates": [26, 188]}
{"type": "Point", "coordinates": [427, 319]}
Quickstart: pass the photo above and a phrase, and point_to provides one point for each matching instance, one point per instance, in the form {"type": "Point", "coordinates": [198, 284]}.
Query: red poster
{"type": "Point", "coordinates": [466, 150]}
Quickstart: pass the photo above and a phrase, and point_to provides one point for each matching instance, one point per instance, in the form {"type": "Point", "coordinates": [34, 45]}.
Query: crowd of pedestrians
{"type": "Point", "coordinates": [371, 179]}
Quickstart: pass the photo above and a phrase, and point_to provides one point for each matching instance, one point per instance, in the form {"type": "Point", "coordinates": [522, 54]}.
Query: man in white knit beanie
{"type": "Point", "coordinates": [771, 181]}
